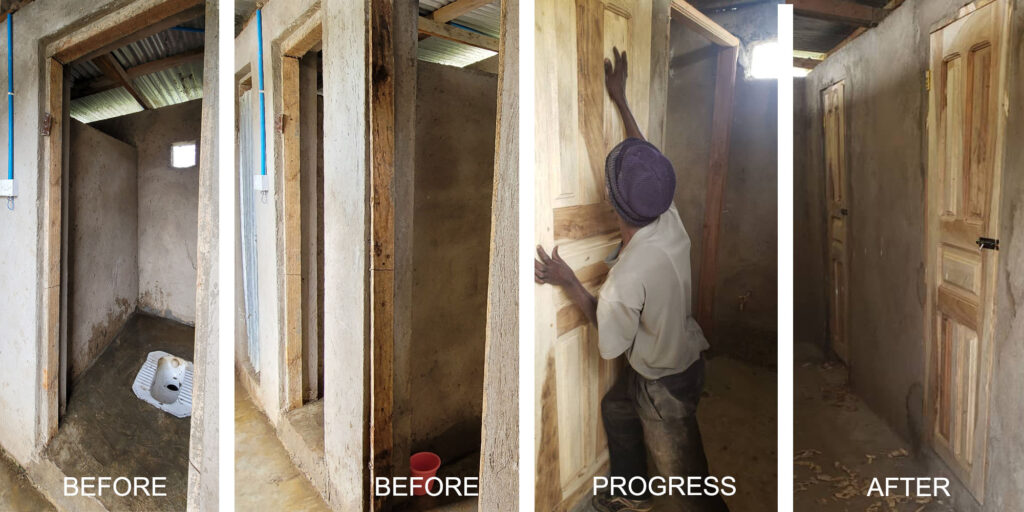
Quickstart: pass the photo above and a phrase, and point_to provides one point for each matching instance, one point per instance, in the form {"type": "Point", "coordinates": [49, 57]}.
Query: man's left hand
{"type": "Point", "coordinates": [552, 269]}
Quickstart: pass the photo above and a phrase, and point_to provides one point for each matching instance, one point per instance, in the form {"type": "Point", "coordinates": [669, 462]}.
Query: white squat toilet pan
{"type": "Point", "coordinates": [165, 382]}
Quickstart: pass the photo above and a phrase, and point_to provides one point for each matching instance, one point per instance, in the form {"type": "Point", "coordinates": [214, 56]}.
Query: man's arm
{"type": "Point", "coordinates": [554, 270]}
{"type": "Point", "coordinates": [615, 81]}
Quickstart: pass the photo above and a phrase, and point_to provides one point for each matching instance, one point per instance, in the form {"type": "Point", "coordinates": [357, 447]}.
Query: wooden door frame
{"type": "Point", "coordinates": [102, 33]}
{"type": "Point", "coordinates": [828, 229]}
{"type": "Point", "coordinates": [718, 161]}
{"type": "Point", "coordinates": [975, 487]}
{"type": "Point", "coordinates": [288, 51]}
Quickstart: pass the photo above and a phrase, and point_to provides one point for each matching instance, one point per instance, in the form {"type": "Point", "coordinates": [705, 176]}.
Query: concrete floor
{"type": "Point", "coordinates": [737, 416]}
{"type": "Point", "coordinates": [841, 445]}
{"type": "Point", "coordinates": [16, 491]}
{"type": "Point", "coordinates": [108, 431]}
{"type": "Point", "coordinates": [265, 477]}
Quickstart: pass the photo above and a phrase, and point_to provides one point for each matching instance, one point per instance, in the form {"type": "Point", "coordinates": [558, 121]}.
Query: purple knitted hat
{"type": "Point", "coordinates": [641, 181]}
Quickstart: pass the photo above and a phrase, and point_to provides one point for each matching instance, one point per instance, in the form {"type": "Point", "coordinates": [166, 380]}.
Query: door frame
{"type": "Point", "coordinates": [117, 24]}
{"type": "Point", "coordinates": [986, 341]}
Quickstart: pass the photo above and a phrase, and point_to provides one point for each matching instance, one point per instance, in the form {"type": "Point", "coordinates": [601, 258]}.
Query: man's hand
{"type": "Point", "coordinates": [615, 76]}
{"type": "Point", "coordinates": [552, 269]}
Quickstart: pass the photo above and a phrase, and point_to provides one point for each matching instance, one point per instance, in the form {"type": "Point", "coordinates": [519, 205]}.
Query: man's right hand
{"type": "Point", "coordinates": [552, 269]}
{"type": "Point", "coordinates": [615, 76]}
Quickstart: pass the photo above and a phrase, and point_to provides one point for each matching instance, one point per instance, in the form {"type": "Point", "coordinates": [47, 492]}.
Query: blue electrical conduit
{"type": "Point", "coordinates": [263, 108]}
{"type": "Point", "coordinates": [10, 106]}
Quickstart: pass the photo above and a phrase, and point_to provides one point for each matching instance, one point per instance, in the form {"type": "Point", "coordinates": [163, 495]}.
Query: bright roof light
{"type": "Point", "coordinates": [765, 60]}
{"type": "Point", "coordinates": [183, 155]}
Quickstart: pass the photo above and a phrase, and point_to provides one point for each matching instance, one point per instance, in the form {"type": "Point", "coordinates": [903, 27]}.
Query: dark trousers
{"type": "Point", "coordinates": [659, 417]}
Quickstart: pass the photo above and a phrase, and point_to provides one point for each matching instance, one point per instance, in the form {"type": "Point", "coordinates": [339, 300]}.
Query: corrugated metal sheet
{"type": "Point", "coordinates": [486, 19]}
{"type": "Point", "coordinates": [167, 87]}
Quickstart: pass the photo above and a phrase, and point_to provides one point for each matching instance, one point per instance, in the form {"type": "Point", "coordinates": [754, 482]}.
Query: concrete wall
{"type": "Point", "coordinates": [886, 109]}
{"type": "Point", "coordinates": [104, 204]}
{"type": "Point", "coordinates": [746, 286]}
{"type": "Point", "coordinates": [20, 267]}
{"type": "Point", "coordinates": [455, 123]}
{"type": "Point", "coordinates": [345, 192]}
{"type": "Point", "coordinates": [168, 207]}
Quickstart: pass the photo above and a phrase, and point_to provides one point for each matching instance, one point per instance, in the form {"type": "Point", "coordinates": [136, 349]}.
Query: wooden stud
{"type": "Point", "coordinates": [499, 436]}
{"type": "Point", "coordinates": [382, 243]}
{"type": "Point", "coordinates": [291, 277]}
{"type": "Point", "coordinates": [840, 11]}
{"type": "Point", "coordinates": [115, 73]}
{"type": "Point", "coordinates": [693, 18]}
{"type": "Point", "coordinates": [49, 362]}
{"type": "Point", "coordinates": [433, 28]}
{"type": "Point", "coordinates": [721, 122]}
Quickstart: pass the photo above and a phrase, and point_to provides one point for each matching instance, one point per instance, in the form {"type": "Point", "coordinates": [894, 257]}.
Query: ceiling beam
{"type": "Point", "coordinates": [164, 24]}
{"type": "Point", "coordinates": [839, 11]}
{"type": "Point", "coordinates": [696, 20]}
{"type": "Point", "coordinates": [433, 28]}
{"type": "Point", "coordinates": [113, 70]}
{"type": "Point", "coordinates": [455, 9]}
{"type": "Point", "coordinates": [104, 83]}
{"type": "Point", "coordinates": [803, 63]}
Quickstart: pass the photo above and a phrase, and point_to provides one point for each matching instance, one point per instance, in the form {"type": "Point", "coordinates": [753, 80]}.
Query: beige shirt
{"type": "Point", "coordinates": [644, 308]}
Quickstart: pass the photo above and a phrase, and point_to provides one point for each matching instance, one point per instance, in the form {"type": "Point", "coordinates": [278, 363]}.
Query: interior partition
{"type": "Point", "coordinates": [455, 124]}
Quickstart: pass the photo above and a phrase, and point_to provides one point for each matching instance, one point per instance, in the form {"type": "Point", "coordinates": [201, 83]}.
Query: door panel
{"type": "Point", "coordinates": [576, 127]}
{"type": "Point", "coordinates": [833, 99]}
{"type": "Point", "coordinates": [965, 139]}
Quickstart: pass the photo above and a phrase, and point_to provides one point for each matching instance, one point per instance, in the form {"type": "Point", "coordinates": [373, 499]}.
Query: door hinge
{"type": "Point", "coordinates": [46, 124]}
{"type": "Point", "coordinates": [988, 243]}
{"type": "Point", "coordinates": [279, 123]}
{"type": "Point", "coordinates": [928, 80]}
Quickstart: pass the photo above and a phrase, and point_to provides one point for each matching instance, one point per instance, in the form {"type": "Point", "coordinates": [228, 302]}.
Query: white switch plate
{"type": "Point", "coordinates": [8, 188]}
{"type": "Point", "coordinates": [262, 182]}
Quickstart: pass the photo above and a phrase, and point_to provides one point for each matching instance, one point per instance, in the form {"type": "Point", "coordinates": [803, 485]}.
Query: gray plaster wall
{"type": "Point", "coordinates": [746, 286]}
{"type": "Point", "coordinates": [455, 124]}
{"type": "Point", "coordinates": [21, 392]}
{"type": "Point", "coordinates": [886, 109]}
{"type": "Point", "coordinates": [168, 207]}
{"type": "Point", "coordinates": [104, 275]}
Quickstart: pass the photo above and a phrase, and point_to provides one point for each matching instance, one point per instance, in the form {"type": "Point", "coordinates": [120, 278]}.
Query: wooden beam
{"type": "Point", "coordinates": [696, 20]}
{"type": "Point", "coordinates": [803, 63]}
{"type": "Point", "coordinates": [104, 83]}
{"type": "Point", "coordinates": [432, 28]}
{"type": "Point", "coordinates": [147, 30]}
{"type": "Point", "coordinates": [455, 9]}
{"type": "Point", "coordinates": [840, 11]}
{"type": "Point", "coordinates": [114, 72]}
{"type": "Point", "coordinates": [721, 122]}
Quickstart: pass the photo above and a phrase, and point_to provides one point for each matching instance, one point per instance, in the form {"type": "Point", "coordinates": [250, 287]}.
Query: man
{"type": "Point", "coordinates": [644, 312]}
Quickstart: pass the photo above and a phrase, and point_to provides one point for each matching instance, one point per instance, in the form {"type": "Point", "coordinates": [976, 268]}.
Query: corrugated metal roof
{"type": "Point", "coordinates": [485, 19]}
{"type": "Point", "coordinates": [170, 86]}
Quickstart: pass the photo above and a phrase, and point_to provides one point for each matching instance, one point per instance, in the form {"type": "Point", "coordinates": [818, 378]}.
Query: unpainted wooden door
{"type": "Point", "coordinates": [966, 124]}
{"type": "Point", "coordinates": [836, 187]}
{"type": "Point", "coordinates": [576, 127]}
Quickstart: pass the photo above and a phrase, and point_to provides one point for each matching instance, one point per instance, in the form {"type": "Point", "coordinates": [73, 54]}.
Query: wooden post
{"type": "Point", "coordinates": [721, 121]}
{"type": "Point", "coordinates": [499, 443]}
{"type": "Point", "coordinates": [382, 243]}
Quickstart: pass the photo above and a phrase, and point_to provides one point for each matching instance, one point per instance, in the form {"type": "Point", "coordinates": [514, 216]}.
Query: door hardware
{"type": "Point", "coordinates": [988, 243]}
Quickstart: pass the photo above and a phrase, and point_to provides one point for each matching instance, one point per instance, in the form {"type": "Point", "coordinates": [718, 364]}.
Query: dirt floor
{"type": "Point", "coordinates": [265, 478]}
{"type": "Point", "coordinates": [108, 431]}
{"type": "Point", "coordinates": [841, 445]}
{"type": "Point", "coordinates": [16, 491]}
{"type": "Point", "coordinates": [737, 416]}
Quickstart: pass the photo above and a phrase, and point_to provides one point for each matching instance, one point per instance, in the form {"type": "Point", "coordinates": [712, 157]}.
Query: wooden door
{"type": "Point", "coordinates": [836, 187]}
{"type": "Point", "coordinates": [576, 127]}
{"type": "Point", "coordinates": [966, 123]}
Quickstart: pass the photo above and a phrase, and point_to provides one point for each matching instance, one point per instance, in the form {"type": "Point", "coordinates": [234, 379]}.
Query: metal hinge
{"type": "Point", "coordinates": [46, 124]}
{"type": "Point", "coordinates": [988, 243]}
{"type": "Point", "coordinates": [928, 80]}
{"type": "Point", "coordinates": [279, 123]}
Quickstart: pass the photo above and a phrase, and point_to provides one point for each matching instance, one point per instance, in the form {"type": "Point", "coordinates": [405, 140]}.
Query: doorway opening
{"type": "Point", "coordinates": [127, 113]}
